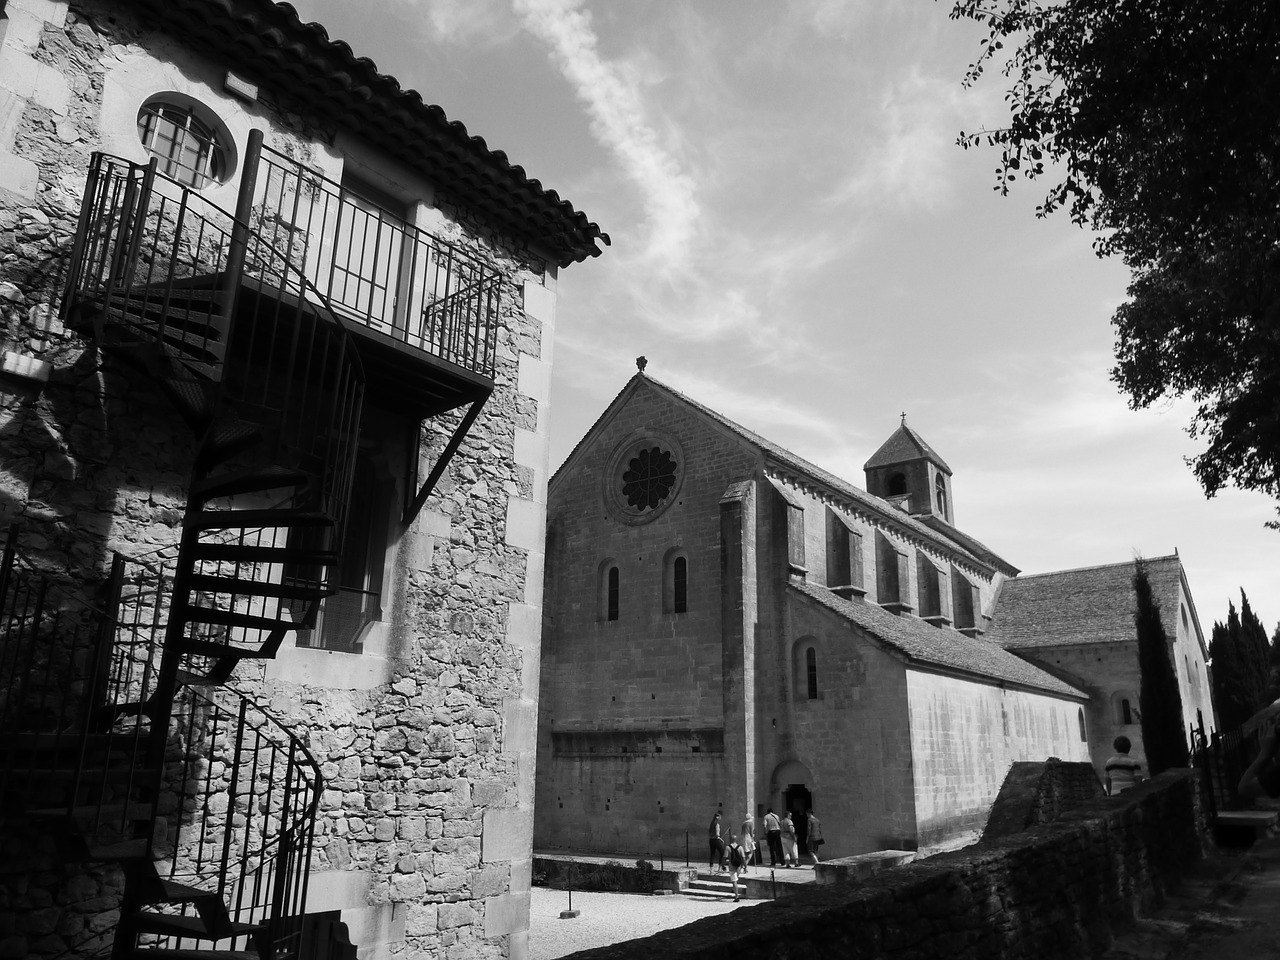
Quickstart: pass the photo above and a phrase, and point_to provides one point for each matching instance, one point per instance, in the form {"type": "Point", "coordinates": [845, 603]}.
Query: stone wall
{"type": "Point", "coordinates": [427, 742]}
{"type": "Point", "coordinates": [1056, 892]}
{"type": "Point", "coordinates": [1038, 793]}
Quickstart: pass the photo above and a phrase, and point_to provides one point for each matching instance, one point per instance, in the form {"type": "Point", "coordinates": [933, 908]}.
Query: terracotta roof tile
{"type": "Point", "coordinates": [267, 43]}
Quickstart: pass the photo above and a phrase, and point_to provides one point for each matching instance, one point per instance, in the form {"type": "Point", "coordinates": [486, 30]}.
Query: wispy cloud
{"type": "Point", "coordinates": [618, 115]}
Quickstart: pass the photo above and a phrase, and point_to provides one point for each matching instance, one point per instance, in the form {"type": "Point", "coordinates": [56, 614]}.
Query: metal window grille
{"type": "Point", "coordinates": [187, 148]}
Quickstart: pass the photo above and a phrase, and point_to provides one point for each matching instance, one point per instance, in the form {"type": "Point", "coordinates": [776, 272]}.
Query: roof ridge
{"type": "Point", "coordinates": [1097, 566]}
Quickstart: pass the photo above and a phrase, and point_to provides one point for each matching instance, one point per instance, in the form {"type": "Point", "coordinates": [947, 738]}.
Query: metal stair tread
{"type": "Point", "coordinates": [244, 587]}
{"type": "Point", "coordinates": [212, 648]}
{"type": "Point", "coordinates": [230, 618]}
{"type": "Point", "coordinates": [134, 849]}
{"type": "Point", "coordinates": [263, 517]}
{"type": "Point", "coordinates": [252, 552]}
{"type": "Point", "coordinates": [207, 953]}
{"type": "Point", "coordinates": [193, 928]}
{"type": "Point", "coordinates": [250, 481]}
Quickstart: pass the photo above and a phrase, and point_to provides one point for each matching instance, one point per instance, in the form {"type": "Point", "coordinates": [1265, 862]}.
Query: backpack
{"type": "Point", "coordinates": [736, 859]}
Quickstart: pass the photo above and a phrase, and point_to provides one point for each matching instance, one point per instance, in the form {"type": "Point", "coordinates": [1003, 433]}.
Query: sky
{"type": "Point", "coordinates": [799, 243]}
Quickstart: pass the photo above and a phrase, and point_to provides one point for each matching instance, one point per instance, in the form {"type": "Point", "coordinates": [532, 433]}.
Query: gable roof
{"type": "Point", "coordinates": [903, 446]}
{"type": "Point", "coordinates": [1087, 605]}
{"type": "Point", "coordinates": [929, 646]}
{"type": "Point", "coordinates": [267, 43]}
{"type": "Point", "coordinates": [946, 535]}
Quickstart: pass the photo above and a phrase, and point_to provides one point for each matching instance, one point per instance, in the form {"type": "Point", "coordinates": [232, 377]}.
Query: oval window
{"type": "Point", "coordinates": [190, 143]}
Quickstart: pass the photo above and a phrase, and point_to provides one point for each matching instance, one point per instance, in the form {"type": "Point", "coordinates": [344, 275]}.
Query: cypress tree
{"type": "Point", "coordinates": [1163, 736]}
{"type": "Point", "coordinates": [1230, 672]}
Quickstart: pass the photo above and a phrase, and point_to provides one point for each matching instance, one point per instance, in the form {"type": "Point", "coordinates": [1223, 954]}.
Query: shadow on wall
{"type": "Point", "coordinates": [1059, 890]}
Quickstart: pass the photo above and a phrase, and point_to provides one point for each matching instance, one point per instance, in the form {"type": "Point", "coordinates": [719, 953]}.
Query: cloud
{"type": "Point", "coordinates": [906, 154]}
{"type": "Point", "coordinates": [618, 120]}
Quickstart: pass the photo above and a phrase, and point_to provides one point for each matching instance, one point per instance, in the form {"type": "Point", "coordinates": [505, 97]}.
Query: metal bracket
{"type": "Point", "coordinates": [413, 508]}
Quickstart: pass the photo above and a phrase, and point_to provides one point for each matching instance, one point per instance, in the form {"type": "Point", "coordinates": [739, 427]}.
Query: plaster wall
{"type": "Point", "coordinates": [964, 737]}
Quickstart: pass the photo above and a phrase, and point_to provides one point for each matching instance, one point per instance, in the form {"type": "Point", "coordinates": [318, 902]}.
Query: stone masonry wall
{"type": "Point", "coordinates": [631, 724]}
{"type": "Point", "coordinates": [1057, 892]}
{"type": "Point", "coordinates": [426, 830]}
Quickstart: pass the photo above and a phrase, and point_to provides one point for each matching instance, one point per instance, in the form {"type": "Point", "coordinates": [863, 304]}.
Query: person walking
{"type": "Point", "coordinates": [787, 827]}
{"type": "Point", "coordinates": [716, 841]}
{"type": "Point", "coordinates": [814, 840]}
{"type": "Point", "coordinates": [737, 863]}
{"type": "Point", "coordinates": [747, 837]}
{"type": "Point", "coordinates": [773, 836]}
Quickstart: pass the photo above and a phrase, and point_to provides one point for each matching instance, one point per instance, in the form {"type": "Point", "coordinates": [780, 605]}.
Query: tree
{"type": "Point", "coordinates": [1157, 123]}
{"type": "Point", "coordinates": [1241, 665]}
{"type": "Point", "coordinates": [1163, 735]}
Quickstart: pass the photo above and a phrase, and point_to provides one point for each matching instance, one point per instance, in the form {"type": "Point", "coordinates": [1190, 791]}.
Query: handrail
{"type": "Point", "coordinates": [379, 270]}
{"type": "Point", "coordinates": [270, 785]}
{"type": "Point", "coordinates": [149, 254]}
{"type": "Point", "coordinates": [254, 851]}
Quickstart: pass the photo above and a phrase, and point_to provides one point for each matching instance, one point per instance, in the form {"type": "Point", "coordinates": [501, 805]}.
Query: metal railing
{"type": "Point", "coordinates": [77, 663]}
{"type": "Point", "coordinates": [78, 670]}
{"type": "Point", "coordinates": [1222, 758]}
{"type": "Point", "coordinates": [164, 268]}
{"type": "Point", "coordinates": [246, 792]}
{"type": "Point", "coordinates": [377, 269]}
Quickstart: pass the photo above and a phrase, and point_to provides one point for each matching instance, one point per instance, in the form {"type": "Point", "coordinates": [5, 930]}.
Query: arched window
{"type": "Point", "coordinates": [1126, 712]}
{"type": "Point", "coordinates": [811, 673]}
{"type": "Point", "coordinates": [608, 591]}
{"type": "Point", "coordinates": [184, 137]}
{"type": "Point", "coordinates": [940, 493]}
{"type": "Point", "coordinates": [680, 585]}
{"type": "Point", "coordinates": [675, 581]}
{"type": "Point", "coordinates": [1080, 716]}
{"type": "Point", "coordinates": [897, 485]}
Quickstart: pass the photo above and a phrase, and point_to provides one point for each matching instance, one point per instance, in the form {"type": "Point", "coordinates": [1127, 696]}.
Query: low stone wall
{"type": "Point", "coordinates": [861, 865]}
{"type": "Point", "coordinates": [595, 873]}
{"type": "Point", "coordinates": [1060, 890]}
{"type": "Point", "coordinates": [1035, 793]}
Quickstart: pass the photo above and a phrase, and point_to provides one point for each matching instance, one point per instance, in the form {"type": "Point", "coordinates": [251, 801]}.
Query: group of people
{"type": "Point", "coordinates": [735, 852]}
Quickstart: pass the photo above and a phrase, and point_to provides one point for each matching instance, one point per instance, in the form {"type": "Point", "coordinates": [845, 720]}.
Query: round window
{"type": "Point", "coordinates": [643, 477]}
{"type": "Point", "coordinates": [190, 143]}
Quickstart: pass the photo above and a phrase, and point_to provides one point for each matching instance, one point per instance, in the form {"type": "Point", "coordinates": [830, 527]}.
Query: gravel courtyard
{"type": "Point", "coordinates": [609, 918]}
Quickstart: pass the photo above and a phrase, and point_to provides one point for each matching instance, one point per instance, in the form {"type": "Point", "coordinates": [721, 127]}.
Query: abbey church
{"type": "Point", "coordinates": [729, 628]}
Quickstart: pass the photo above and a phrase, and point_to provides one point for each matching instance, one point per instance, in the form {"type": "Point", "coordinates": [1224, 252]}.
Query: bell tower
{"type": "Point", "coordinates": [909, 474]}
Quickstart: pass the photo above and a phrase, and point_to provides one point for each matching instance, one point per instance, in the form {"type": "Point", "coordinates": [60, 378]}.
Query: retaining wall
{"type": "Point", "coordinates": [1059, 890]}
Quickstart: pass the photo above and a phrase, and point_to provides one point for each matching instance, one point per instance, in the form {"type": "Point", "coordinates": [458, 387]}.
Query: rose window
{"type": "Point", "coordinates": [648, 479]}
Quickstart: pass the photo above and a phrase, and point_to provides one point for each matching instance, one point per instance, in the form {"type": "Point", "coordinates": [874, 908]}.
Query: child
{"type": "Point", "coordinates": [1122, 770]}
{"type": "Point", "coordinates": [737, 863]}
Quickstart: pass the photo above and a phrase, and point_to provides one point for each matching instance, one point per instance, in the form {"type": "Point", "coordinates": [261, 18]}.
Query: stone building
{"type": "Point", "coordinates": [730, 628]}
{"type": "Point", "coordinates": [273, 420]}
{"type": "Point", "coordinates": [1078, 624]}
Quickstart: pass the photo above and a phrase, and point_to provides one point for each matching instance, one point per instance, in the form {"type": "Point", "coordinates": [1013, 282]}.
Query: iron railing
{"type": "Point", "coordinates": [377, 269]}
{"type": "Point", "coordinates": [245, 791]}
{"type": "Point", "coordinates": [77, 664]}
{"type": "Point", "coordinates": [238, 792]}
{"type": "Point", "coordinates": [1222, 758]}
{"type": "Point", "coordinates": [155, 263]}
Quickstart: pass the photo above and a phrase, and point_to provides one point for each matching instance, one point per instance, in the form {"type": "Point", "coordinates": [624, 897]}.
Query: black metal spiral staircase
{"type": "Point", "coordinates": [139, 753]}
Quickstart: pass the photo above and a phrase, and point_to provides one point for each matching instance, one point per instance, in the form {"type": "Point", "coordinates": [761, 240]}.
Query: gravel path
{"type": "Point", "coordinates": [609, 918]}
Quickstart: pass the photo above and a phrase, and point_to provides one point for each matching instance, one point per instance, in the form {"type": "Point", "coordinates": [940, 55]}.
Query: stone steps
{"type": "Point", "coordinates": [709, 886]}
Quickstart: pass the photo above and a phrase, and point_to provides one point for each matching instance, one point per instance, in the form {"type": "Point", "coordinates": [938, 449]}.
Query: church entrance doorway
{"type": "Point", "coordinates": [799, 801]}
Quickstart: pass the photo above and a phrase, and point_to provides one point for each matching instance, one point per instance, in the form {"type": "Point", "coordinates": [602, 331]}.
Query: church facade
{"type": "Point", "coordinates": [728, 628]}
{"type": "Point", "coordinates": [1078, 624]}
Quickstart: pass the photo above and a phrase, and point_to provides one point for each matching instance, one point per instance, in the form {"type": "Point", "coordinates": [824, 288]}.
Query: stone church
{"type": "Point", "coordinates": [729, 628]}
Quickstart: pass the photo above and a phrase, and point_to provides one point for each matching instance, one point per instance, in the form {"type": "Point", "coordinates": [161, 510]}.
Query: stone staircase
{"type": "Point", "coordinates": [709, 886]}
